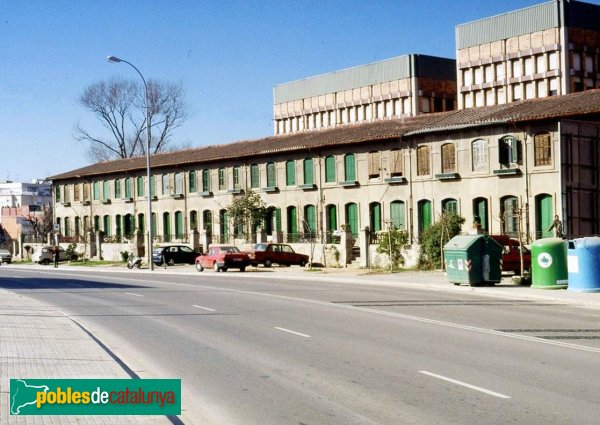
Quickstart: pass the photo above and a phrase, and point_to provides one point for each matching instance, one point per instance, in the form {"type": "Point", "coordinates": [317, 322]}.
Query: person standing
{"type": "Point", "coordinates": [557, 226]}
{"type": "Point", "coordinates": [56, 253]}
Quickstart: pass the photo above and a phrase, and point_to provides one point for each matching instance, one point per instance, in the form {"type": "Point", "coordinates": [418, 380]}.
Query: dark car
{"type": "Point", "coordinates": [511, 258]}
{"type": "Point", "coordinates": [174, 254]}
{"type": "Point", "coordinates": [276, 253]}
{"type": "Point", "coordinates": [221, 258]}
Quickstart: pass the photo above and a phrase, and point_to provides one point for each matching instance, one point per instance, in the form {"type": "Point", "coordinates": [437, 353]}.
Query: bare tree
{"type": "Point", "coordinates": [41, 222]}
{"type": "Point", "coordinates": [120, 107]}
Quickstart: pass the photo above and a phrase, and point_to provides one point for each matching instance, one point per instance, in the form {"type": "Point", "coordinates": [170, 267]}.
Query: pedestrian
{"type": "Point", "coordinates": [56, 253]}
{"type": "Point", "coordinates": [557, 226]}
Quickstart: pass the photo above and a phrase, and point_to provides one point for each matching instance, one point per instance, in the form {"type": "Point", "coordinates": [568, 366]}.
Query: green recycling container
{"type": "Point", "coordinates": [549, 264]}
{"type": "Point", "coordinates": [473, 259]}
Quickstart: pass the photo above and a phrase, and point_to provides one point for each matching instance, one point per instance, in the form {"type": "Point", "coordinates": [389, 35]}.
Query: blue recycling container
{"type": "Point", "coordinates": [583, 258]}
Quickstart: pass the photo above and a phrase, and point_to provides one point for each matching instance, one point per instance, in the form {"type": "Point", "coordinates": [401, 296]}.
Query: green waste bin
{"type": "Point", "coordinates": [473, 259]}
{"type": "Point", "coordinates": [549, 264]}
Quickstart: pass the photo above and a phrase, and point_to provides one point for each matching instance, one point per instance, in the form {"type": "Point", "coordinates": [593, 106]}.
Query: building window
{"type": "Point", "coordinates": [423, 161]}
{"type": "Point", "coordinates": [117, 189]}
{"type": "Point", "coordinates": [205, 181]}
{"type": "Point", "coordinates": [179, 230]}
{"type": "Point", "coordinates": [374, 164]}
{"type": "Point", "coordinates": [540, 64]}
{"type": "Point", "coordinates": [105, 190]}
{"type": "Point", "coordinates": [207, 221]}
{"type": "Point", "coordinates": [271, 176]}
{"type": "Point", "coordinates": [308, 170]}
{"type": "Point", "coordinates": [553, 87]}
{"type": "Point", "coordinates": [553, 60]}
{"type": "Point", "coordinates": [292, 224]}
{"type": "Point", "coordinates": [529, 66]}
{"type": "Point", "coordinates": [349, 167]}
{"type": "Point", "coordinates": [375, 216]}
{"type": "Point", "coordinates": [489, 74]}
{"type": "Point", "coordinates": [516, 68]}
{"type": "Point", "coordinates": [254, 176]}
{"type": "Point", "coordinates": [450, 206]}
{"type": "Point", "coordinates": [76, 194]}
{"type": "Point", "coordinates": [517, 91]}
{"type": "Point", "coordinates": [310, 221]}
{"type": "Point", "coordinates": [424, 215]}
{"type": "Point", "coordinates": [480, 213]}
{"type": "Point", "coordinates": [106, 225]}
{"type": "Point", "coordinates": [57, 193]}
{"type": "Point", "coordinates": [140, 186]}
{"type": "Point", "coordinates": [178, 183]}
{"type": "Point", "coordinates": [128, 192]}
{"type": "Point", "coordinates": [222, 179]}
{"type": "Point", "coordinates": [448, 158]}
{"type": "Point", "coordinates": [330, 169]}
{"type": "Point", "coordinates": [152, 186]}
{"type": "Point", "coordinates": [352, 218]}
{"type": "Point", "coordinates": [509, 215]}
{"type": "Point", "coordinates": [479, 154]}
{"type": "Point", "coordinates": [236, 178]}
{"type": "Point", "coordinates": [290, 173]}
{"type": "Point", "coordinates": [395, 164]}
{"type": "Point", "coordinates": [96, 191]}
{"type": "Point", "coordinates": [166, 184]}
{"type": "Point", "coordinates": [193, 220]}
{"type": "Point", "coordinates": [509, 150]}
{"type": "Point", "coordinates": [499, 71]}
{"type": "Point", "coordinates": [192, 181]}
{"type": "Point", "coordinates": [543, 149]}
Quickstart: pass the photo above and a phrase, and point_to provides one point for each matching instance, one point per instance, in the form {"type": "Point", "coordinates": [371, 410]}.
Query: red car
{"type": "Point", "coordinates": [278, 253]}
{"type": "Point", "coordinates": [222, 257]}
{"type": "Point", "coordinates": [511, 259]}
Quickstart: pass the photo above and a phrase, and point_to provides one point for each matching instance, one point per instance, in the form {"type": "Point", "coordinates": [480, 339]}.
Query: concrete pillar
{"type": "Point", "coordinates": [364, 240]}
{"type": "Point", "coordinates": [139, 246]}
{"type": "Point", "coordinates": [205, 240]}
{"type": "Point", "coordinates": [346, 244]}
{"type": "Point", "coordinates": [90, 251]}
{"type": "Point", "coordinates": [277, 237]}
{"type": "Point", "coordinates": [261, 236]}
{"type": "Point", "coordinates": [99, 238]}
{"type": "Point", "coordinates": [194, 239]}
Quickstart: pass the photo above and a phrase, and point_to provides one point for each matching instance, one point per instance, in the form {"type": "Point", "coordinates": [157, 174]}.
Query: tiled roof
{"type": "Point", "coordinates": [572, 105]}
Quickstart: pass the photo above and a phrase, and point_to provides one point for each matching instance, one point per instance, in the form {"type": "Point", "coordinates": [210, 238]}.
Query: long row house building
{"type": "Point", "coordinates": [507, 136]}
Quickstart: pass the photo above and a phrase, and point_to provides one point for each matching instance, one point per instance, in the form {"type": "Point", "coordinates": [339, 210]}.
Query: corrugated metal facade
{"type": "Point", "coordinates": [361, 76]}
{"type": "Point", "coordinates": [507, 25]}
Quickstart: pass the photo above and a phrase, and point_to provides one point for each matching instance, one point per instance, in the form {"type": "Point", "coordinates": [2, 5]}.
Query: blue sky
{"type": "Point", "coordinates": [227, 54]}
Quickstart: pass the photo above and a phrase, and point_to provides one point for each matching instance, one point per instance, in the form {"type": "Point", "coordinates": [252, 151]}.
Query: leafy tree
{"type": "Point", "coordinates": [435, 237]}
{"type": "Point", "coordinates": [247, 211]}
{"type": "Point", "coordinates": [391, 243]}
{"type": "Point", "coordinates": [120, 107]}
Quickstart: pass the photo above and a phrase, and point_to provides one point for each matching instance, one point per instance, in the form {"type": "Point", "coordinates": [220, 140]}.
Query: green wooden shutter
{"type": "Point", "coordinates": [330, 169]}
{"type": "Point", "coordinates": [290, 173]}
{"type": "Point", "coordinates": [349, 167]}
{"type": "Point", "coordinates": [278, 219]}
{"type": "Point", "coordinates": [375, 221]}
{"type": "Point", "coordinates": [179, 225]}
{"type": "Point", "coordinates": [308, 171]}
{"type": "Point", "coordinates": [254, 176]}
{"type": "Point", "coordinates": [352, 218]}
{"type": "Point", "coordinates": [310, 216]}
{"type": "Point", "coordinates": [544, 216]}
{"type": "Point", "coordinates": [192, 181]}
{"type": "Point", "coordinates": [424, 215]}
{"type": "Point", "coordinates": [332, 218]}
{"type": "Point", "coordinates": [271, 180]}
{"type": "Point", "coordinates": [397, 215]}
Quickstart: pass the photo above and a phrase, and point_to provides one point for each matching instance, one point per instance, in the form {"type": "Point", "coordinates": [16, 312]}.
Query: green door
{"type": "Point", "coordinates": [424, 208]}
{"type": "Point", "coordinates": [331, 218]}
{"type": "Point", "coordinates": [352, 218]}
{"type": "Point", "coordinates": [292, 223]}
{"type": "Point", "coordinates": [375, 216]}
{"type": "Point", "coordinates": [480, 210]}
{"type": "Point", "coordinates": [397, 215]}
{"type": "Point", "coordinates": [310, 218]}
{"type": "Point", "coordinates": [224, 226]}
{"type": "Point", "coordinates": [544, 215]}
{"type": "Point", "coordinates": [167, 226]}
{"type": "Point", "coordinates": [179, 225]}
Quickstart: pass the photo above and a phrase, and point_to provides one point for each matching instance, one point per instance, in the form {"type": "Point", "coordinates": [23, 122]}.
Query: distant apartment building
{"type": "Point", "coordinates": [34, 194]}
{"type": "Point", "coordinates": [399, 87]}
{"type": "Point", "coordinates": [545, 50]}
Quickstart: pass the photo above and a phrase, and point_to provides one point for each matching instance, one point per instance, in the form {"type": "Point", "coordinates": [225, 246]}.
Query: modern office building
{"type": "Point", "coordinates": [549, 49]}
{"type": "Point", "coordinates": [399, 87]}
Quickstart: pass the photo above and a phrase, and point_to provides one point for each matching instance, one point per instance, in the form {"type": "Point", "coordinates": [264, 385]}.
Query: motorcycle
{"type": "Point", "coordinates": [134, 261]}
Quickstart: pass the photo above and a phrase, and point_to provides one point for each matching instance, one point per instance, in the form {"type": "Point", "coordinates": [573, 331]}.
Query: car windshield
{"type": "Point", "coordinates": [260, 247]}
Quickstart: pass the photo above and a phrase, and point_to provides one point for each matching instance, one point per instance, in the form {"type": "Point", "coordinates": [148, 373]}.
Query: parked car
{"type": "Point", "coordinates": [511, 259]}
{"type": "Point", "coordinates": [268, 254]}
{"type": "Point", "coordinates": [45, 255]}
{"type": "Point", "coordinates": [221, 258]}
{"type": "Point", "coordinates": [5, 256]}
{"type": "Point", "coordinates": [174, 254]}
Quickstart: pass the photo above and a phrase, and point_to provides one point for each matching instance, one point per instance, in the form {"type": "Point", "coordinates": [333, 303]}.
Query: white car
{"type": "Point", "coordinates": [45, 255]}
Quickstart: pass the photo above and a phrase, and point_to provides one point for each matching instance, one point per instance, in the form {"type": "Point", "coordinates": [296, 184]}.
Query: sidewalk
{"type": "Point", "coordinates": [39, 341]}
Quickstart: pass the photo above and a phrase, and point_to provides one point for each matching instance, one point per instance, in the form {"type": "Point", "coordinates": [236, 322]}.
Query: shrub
{"type": "Point", "coordinates": [394, 241]}
{"type": "Point", "coordinates": [435, 237]}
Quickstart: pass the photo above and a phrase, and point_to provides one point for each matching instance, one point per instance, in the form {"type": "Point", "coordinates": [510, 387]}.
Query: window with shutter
{"type": "Point", "coordinates": [543, 149]}
{"type": "Point", "coordinates": [448, 158]}
{"type": "Point", "coordinates": [395, 163]}
{"type": "Point", "coordinates": [330, 169]}
{"type": "Point", "coordinates": [374, 164]}
{"type": "Point", "coordinates": [423, 161]}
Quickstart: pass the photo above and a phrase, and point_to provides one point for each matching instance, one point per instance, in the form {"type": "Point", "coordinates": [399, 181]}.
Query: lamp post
{"type": "Point", "coordinates": [114, 59]}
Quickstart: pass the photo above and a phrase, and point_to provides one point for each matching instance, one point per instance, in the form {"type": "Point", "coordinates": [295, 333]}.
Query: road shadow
{"type": "Point", "coordinates": [47, 283]}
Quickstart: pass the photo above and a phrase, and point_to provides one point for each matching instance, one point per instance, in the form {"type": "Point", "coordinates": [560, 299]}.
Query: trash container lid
{"type": "Point", "coordinates": [462, 242]}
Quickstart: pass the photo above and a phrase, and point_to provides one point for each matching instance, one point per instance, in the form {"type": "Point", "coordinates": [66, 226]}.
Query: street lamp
{"type": "Point", "coordinates": [114, 59]}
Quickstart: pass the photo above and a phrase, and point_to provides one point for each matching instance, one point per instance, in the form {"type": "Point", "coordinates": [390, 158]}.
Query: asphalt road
{"type": "Point", "coordinates": [265, 351]}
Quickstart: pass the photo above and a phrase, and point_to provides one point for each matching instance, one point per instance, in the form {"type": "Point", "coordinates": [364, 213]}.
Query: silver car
{"type": "Point", "coordinates": [5, 256]}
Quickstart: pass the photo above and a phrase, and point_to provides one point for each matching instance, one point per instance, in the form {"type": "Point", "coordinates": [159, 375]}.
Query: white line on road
{"type": "Point", "coordinates": [292, 332]}
{"type": "Point", "coordinates": [204, 308]}
{"type": "Point", "coordinates": [132, 294]}
{"type": "Point", "coordinates": [464, 384]}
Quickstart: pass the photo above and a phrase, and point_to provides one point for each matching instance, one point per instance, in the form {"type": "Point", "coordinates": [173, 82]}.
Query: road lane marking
{"type": "Point", "coordinates": [292, 332]}
{"type": "Point", "coordinates": [204, 308]}
{"type": "Point", "coordinates": [133, 295]}
{"type": "Point", "coordinates": [464, 384]}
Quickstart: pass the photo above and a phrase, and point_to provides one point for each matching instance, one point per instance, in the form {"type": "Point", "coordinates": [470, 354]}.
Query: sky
{"type": "Point", "coordinates": [227, 54]}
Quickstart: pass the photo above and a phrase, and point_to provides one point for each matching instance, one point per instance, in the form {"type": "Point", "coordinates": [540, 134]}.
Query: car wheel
{"type": "Point", "coordinates": [268, 263]}
{"type": "Point", "coordinates": [242, 269]}
{"type": "Point", "coordinates": [45, 262]}
{"type": "Point", "coordinates": [223, 269]}
{"type": "Point", "coordinates": [199, 267]}
{"type": "Point", "coordinates": [254, 264]}
{"type": "Point", "coordinates": [302, 263]}
{"type": "Point", "coordinates": [216, 267]}
{"type": "Point", "coordinates": [171, 262]}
